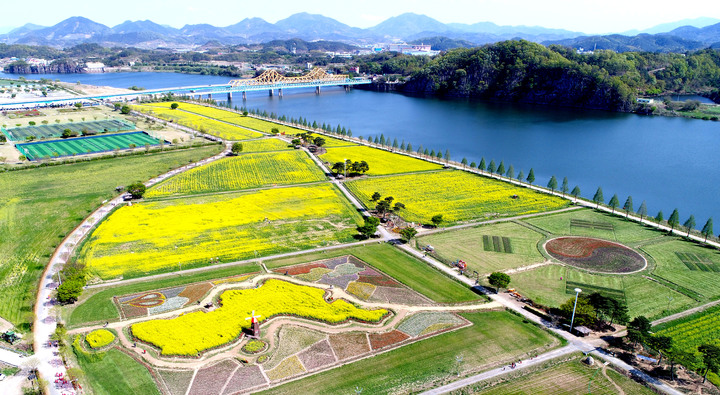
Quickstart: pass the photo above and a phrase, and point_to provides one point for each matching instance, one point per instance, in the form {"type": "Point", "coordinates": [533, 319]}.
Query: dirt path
{"type": "Point", "coordinates": [617, 387]}
{"type": "Point", "coordinates": [685, 313]}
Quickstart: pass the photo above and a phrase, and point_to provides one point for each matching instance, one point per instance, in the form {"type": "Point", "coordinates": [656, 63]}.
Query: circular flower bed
{"type": "Point", "coordinates": [254, 346]}
{"type": "Point", "coordinates": [595, 255]}
{"type": "Point", "coordinates": [99, 338]}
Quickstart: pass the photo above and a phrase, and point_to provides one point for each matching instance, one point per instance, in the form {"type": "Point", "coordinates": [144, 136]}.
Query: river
{"type": "Point", "coordinates": [669, 162]}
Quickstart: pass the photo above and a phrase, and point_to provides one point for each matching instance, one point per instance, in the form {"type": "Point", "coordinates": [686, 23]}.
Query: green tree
{"type": "Point", "coordinates": [642, 325]}
{"type": "Point", "coordinates": [521, 176]}
{"type": "Point", "coordinates": [174, 106]}
{"type": "Point", "coordinates": [614, 202]}
{"type": "Point", "coordinates": [499, 280]}
{"type": "Point", "coordinates": [369, 228]}
{"type": "Point", "coordinates": [437, 219]}
{"type": "Point", "coordinates": [628, 206]}
{"type": "Point", "coordinates": [439, 155]}
{"type": "Point", "coordinates": [552, 184]}
{"type": "Point", "coordinates": [689, 224]}
{"type": "Point", "coordinates": [319, 141]}
{"type": "Point", "coordinates": [659, 217]}
{"type": "Point", "coordinates": [472, 164]}
{"type": "Point", "coordinates": [711, 358]}
{"type": "Point", "coordinates": [565, 187]}
{"type": "Point", "coordinates": [409, 147]}
{"type": "Point", "coordinates": [398, 206]}
{"type": "Point", "coordinates": [481, 166]}
{"type": "Point", "coordinates": [598, 198]}
{"type": "Point", "coordinates": [501, 168]}
{"type": "Point", "coordinates": [464, 162]}
{"type": "Point", "coordinates": [395, 143]}
{"type": "Point", "coordinates": [136, 190]}
{"type": "Point", "coordinates": [338, 167]}
{"type": "Point", "coordinates": [674, 220]}
{"type": "Point", "coordinates": [491, 167]}
{"type": "Point", "coordinates": [125, 110]}
{"type": "Point", "coordinates": [375, 197]}
{"type": "Point", "coordinates": [634, 336]}
{"type": "Point", "coordinates": [69, 291]}
{"type": "Point", "coordinates": [78, 105]}
{"type": "Point", "coordinates": [642, 210]}
{"type": "Point", "coordinates": [408, 233]}
{"type": "Point", "coordinates": [236, 148]}
{"type": "Point", "coordinates": [575, 192]}
{"type": "Point", "coordinates": [447, 156]}
{"type": "Point", "coordinates": [511, 172]}
{"type": "Point", "coordinates": [531, 176]}
{"type": "Point", "coordinates": [115, 105]}
{"type": "Point", "coordinates": [584, 313]}
{"type": "Point", "coordinates": [661, 344]}
{"type": "Point", "coordinates": [707, 230]}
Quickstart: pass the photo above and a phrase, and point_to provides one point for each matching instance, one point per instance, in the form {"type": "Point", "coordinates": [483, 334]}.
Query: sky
{"type": "Point", "coordinates": [593, 17]}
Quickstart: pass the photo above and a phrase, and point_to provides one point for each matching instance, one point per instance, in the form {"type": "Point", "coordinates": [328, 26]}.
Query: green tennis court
{"type": "Point", "coordinates": [41, 132]}
{"type": "Point", "coordinates": [85, 145]}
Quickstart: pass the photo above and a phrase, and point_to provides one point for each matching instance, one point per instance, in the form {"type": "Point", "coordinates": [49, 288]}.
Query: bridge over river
{"type": "Point", "coordinates": [269, 80]}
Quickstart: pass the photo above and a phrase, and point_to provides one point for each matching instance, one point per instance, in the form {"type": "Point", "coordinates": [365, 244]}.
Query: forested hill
{"type": "Point", "coordinates": [521, 71]}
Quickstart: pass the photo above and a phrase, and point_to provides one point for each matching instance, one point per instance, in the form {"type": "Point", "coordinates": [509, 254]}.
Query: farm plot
{"type": "Point", "coordinates": [671, 267]}
{"type": "Point", "coordinates": [195, 332]}
{"type": "Point", "coordinates": [265, 145]}
{"type": "Point", "coordinates": [194, 121]}
{"type": "Point", "coordinates": [158, 236]}
{"type": "Point", "coordinates": [456, 195]}
{"type": "Point", "coordinates": [570, 377]}
{"type": "Point", "coordinates": [85, 145]}
{"type": "Point", "coordinates": [595, 255]}
{"type": "Point", "coordinates": [469, 246]}
{"type": "Point", "coordinates": [381, 162]}
{"type": "Point", "coordinates": [41, 132]}
{"type": "Point", "coordinates": [243, 172]}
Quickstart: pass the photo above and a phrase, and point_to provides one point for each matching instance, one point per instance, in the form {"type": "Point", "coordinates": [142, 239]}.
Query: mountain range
{"type": "Point", "coordinates": [313, 27]}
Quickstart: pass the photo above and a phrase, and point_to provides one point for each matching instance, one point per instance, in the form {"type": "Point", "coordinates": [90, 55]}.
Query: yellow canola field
{"type": "Point", "coordinates": [210, 126]}
{"type": "Point", "coordinates": [248, 122]}
{"type": "Point", "coordinates": [457, 195]}
{"type": "Point", "coordinates": [265, 145]}
{"type": "Point", "coordinates": [195, 332]}
{"type": "Point", "coordinates": [99, 338]}
{"type": "Point", "coordinates": [160, 236]}
{"type": "Point", "coordinates": [243, 172]}
{"type": "Point", "coordinates": [381, 162]}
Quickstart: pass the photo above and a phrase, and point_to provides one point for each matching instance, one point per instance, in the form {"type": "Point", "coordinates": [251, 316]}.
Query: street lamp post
{"type": "Point", "coordinates": [572, 320]}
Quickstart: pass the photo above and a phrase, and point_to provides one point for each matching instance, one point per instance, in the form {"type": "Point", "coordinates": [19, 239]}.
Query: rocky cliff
{"type": "Point", "coordinates": [53, 68]}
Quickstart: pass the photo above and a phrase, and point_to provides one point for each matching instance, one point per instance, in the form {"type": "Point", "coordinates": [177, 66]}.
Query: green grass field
{"type": "Point", "coordinates": [56, 129]}
{"type": "Point", "coordinates": [570, 377]}
{"type": "Point", "coordinates": [457, 195]}
{"type": "Point", "coordinates": [670, 267]}
{"type": "Point", "coordinates": [623, 231]}
{"type": "Point", "coordinates": [495, 338]}
{"type": "Point", "coordinates": [404, 268]}
{"type": "Point", "coordinates": [85, 145]}
{"type": "Point", "coordinates": [35, 214]}
{"type": "Point", "coordinates": [467, 245]}
{"type": "Point", "coordinates": [243, 172]}
{"type": "Point", "coordinates": [116, 373]}
{"type": "Point", "coordinates": [97, 305]}
{"type": "Point", "coordinates": [381, 162]}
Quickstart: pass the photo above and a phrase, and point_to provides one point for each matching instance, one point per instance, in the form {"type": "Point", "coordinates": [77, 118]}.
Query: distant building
{"type": "Point", "coordinates": [410, 49]}
{"type": "Point", "coordinates": [644, 100]}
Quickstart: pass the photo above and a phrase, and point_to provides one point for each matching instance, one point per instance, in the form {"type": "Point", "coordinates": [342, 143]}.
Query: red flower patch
{"type": "Point", "coordinates": [381, 340]}
{"type": "Point", "coordinates": [299, 269]}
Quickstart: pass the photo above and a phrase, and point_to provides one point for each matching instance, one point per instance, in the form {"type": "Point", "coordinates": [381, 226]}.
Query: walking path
{"type": "Point", "coordinates": [45, 320]}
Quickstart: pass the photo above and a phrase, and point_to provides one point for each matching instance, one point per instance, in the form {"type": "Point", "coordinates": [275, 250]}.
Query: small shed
{"type": "Point", "coordinates": [582, 330]}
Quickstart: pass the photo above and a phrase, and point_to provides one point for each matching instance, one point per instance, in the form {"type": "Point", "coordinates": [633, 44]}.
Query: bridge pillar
{"type": "Point", "coordinates": [209, 96]}
{"type": "Point", "coordinates": [229, 96]}
{"type": "Point", "coordinates": [347, 88]}
{"type": "Point", "coordinates": [271, 92]}
{"type": "Point", "coordinates": [317, 90]}
{"type": "Point", "coordinates": [280, 92]}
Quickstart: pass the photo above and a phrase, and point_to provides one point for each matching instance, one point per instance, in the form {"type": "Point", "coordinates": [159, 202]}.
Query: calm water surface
{"type": "Point", "coordinates": [670, 162]}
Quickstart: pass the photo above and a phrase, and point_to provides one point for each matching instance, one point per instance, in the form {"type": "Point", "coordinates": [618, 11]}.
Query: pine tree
{"type": "Point", "coordinates": [628, 206]}
{"type": "Point", "coordinates": [402, 146]}
{"type": "Point", "coordinates": [491, 167]}
{"type": "Point", "coordinates": [531, 176]}
{"type": "Point", "coordinates": [565, 187]}
{"type": "Point", "coordinates": [464, 162]}
{"type": "Point", "coordinates": [598, 198]}
{"type": "Point", "coordinates": [575, 192]}
{"type": "Point", "coordinates": [552, 184]}
{"type": "Point", "coordinates": [349, 132]}
{"type": "Point", "coordinates": [642, 211]}
{"type": "Point", "coordinates": [395, 144]}
{"type": "Point", "coordinates": [426, 153]}
{"type": "Point", "coordinates": [376, 140]}
{"type": "Point", "coordinates": [501, 168]}
{"type": "Point", "coordinates": [382, 139]}
{"type": "Point", "coordinates": [674, 220]}
{"type": "Point", "coordinates": [689, 224]}
{"type": "Point", "coordinates": [614, 202]}
{"type": "Point", "coordinates": [481, 166]}
{"type": "Point", "coordinates": [521, 176]}
{"type": "Point", "coordinates": [707, 230]}
{"type": "Point", "coordinates": [432, 153]}
{"type": "Point", "coordinates": [659, 217]}
{"type": "Point", "coordinates": [511, 172]}
{"type": "Point", "coordinates": [409, 147]}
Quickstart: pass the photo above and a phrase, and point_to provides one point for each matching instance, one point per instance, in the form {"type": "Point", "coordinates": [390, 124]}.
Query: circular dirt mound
{"type": "Point", "coordinates": [596, 255]}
